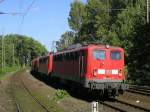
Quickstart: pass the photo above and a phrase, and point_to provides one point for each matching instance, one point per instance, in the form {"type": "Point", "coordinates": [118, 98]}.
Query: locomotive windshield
{"type": "Point", "coordinates": [99, 54]}
{"type": "Point", "coordinates": [115, 55]}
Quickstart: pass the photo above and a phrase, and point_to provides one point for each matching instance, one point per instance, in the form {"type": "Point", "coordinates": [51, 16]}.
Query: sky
{"type": "Point", "coordinates": [46, 20]}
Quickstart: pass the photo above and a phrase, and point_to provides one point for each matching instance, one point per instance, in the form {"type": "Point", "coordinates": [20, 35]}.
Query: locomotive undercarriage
{"type": "Point", "coordinates": [107, 88]}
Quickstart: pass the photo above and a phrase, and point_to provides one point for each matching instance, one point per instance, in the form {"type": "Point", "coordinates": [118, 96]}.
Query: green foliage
{"type": "Point", "coordinates": [103, 25]}
{"type": "Point", "coordinates": [66, 40]}
{"type": "Point", "coordinates": [129, 81]}
{"type": "Point", "coordinates": [6, 70]}
{"type": "Point", "coordinates": [115, 22]}
{"type": "Point", "coordinates": [139, 61]}
{"type": "Point", "coordinates": [76, 15]}
{"type": "Point", "coordinates": [126, 71]}
{"type": "Point", "coordinates": [20, 50]}
{"type": "Point", "coordinates": [60, 94]}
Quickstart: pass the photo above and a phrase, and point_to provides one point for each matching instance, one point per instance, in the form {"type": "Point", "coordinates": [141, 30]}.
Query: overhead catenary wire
{"type": "Point", "coordinates": [24, 14]}
{"type": "Point", "coordinates": [22, 17]}
{"type": "Point", "coordinates": [9, 13]}
{"type": "Point", "coordinates": [29, 7]}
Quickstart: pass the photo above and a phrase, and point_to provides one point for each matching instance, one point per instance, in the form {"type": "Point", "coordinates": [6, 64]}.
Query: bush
{"type": "Point", "coordinates": [60, 94]}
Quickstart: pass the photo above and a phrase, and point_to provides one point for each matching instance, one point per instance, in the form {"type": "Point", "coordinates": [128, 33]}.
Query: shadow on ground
{"type": "Point", "coordinates": [79, 93]}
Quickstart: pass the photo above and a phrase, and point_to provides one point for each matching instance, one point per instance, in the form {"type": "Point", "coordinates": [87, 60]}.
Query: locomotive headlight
{"type": "Point", "coordinates": [95, 72]}
{"type": "Point", "coordinates": [101, 71]}
{"type": "Point", "coordinates": [107, 46]}
{"type": "Point", "coordinates": [114, 72]}
{"type": "Point", "coordinates": [120, 72]}
{"type": "Point", "coordinates": [98, 71]}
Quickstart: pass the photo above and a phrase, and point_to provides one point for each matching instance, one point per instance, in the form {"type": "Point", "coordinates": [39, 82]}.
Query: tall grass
{"type": "Point", "coordinates": [7, 70]}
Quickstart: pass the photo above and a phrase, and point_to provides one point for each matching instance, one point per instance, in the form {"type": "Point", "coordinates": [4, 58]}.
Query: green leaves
{"type": "Point", "coordinates": [114, 22]}
{"type": "Point", "coordinates": [66, 40]}
{"type": "Point", "coordinates": [140, 56]}
{"type": "Point", "coordinates": [20, 50]}
{"type": "Point", "coordinates": [60, 95]}
{"type": "Point", "coordinates": [76, 15]}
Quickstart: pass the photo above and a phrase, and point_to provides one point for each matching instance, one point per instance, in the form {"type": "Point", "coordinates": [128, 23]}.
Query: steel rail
{"type": "Point", "coordinates": [34, 98]}
{"type": "Point", "coordinates": [18, 107]}
{"type": "Point", "coordinates": [138, 92]}
{"type": "Point", "coordinates": [140, 87]}
{"type": "Point", "coordinates": [144, 90]}
{"type": "Point", "coordinates": [121, 109]}
{"type": "Point", "coordinates": [135, 106]}
{"type": "Point", "coordinates": [113, 107]}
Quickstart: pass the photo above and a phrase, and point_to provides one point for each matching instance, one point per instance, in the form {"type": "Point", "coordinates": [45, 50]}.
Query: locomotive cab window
{"type": "Point", "coordinates": [115, 55]}
{"type": "Point", "coordinates": [99, 54]}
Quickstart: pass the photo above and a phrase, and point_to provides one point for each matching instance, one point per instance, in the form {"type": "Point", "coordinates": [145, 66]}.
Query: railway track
{"type": "Point", "coordinates": [14, 100]}
{"type": "Point", "coordinates": [34, 98]}
{"type": "Point", "coordinates": [122, 106]}
{"type": "Point", "coordinates": [144, 90]}
{"type": "Point", "coordinates": [115, 104]}
{"type": "Point", "coordinates": [18, 106]}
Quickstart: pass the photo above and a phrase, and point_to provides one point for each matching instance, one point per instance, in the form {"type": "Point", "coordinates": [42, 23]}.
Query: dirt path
{"type": "Point", "coordinates": [12, 90]}
{"type": "Point", "coordinates": [7, 104]}
{"type": "Point", "coordinates": [46, 94]}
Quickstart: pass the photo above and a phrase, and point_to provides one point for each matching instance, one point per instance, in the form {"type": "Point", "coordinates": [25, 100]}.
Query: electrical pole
{"type": "Point", "coordinates": [147, 11]}
{"type": "Point", "coordinates": [2, 51]}
{"type": "Point", "coordinates": [13, 50]}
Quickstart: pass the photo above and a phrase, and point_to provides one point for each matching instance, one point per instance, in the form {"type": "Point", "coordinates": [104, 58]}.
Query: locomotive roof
{"type": "Point", "coordinates": [86, 47]}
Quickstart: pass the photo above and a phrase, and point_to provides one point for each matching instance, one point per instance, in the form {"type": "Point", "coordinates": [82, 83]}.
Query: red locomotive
{"type": "Point", "coordinates": [94, 67]}
{"type": "Point", "coordinates": [42, 65]}
{"type": "Point", "coordinates": [35, 65]}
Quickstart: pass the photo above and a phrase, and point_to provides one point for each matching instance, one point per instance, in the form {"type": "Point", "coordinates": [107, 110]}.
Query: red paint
{"type": "Point", "coordinates": [71, 68]}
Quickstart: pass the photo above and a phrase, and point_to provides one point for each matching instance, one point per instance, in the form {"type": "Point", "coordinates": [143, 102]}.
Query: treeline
{"type": "Point", "coordinates": [19, 50]}
{"type": "Point", "coordinates": [115, 22]}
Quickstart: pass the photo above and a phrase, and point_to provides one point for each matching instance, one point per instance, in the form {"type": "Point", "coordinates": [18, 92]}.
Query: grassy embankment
{"type": "Point", "coordinates": [7, 70]}
{"type": "Point", "coordinates": [45, 95]}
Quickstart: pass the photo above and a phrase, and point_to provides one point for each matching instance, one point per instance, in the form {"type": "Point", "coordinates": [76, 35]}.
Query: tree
{"type": "Point", "coordinates": [20, 49]}
{"type": "Point", "coordinates": [113, 22]}
{"type": "Point", "coordinates": [126, 24]}
{"type": "Point", "coordinates": [139, 61]}
{"type": "Point", "coordinates": [76, 15]}
{"type": "Point", "coordinates": [66, 40]}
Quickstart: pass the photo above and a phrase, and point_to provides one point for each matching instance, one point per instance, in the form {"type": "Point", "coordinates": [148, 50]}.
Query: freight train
{"type": "Point", "coordinates": [93, 67]}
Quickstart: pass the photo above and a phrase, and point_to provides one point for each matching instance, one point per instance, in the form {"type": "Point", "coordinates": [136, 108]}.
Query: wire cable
{"type": "Point", "coordinates": [30, 6]}
{"type": "Point", "coordinates": [25, 13]}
